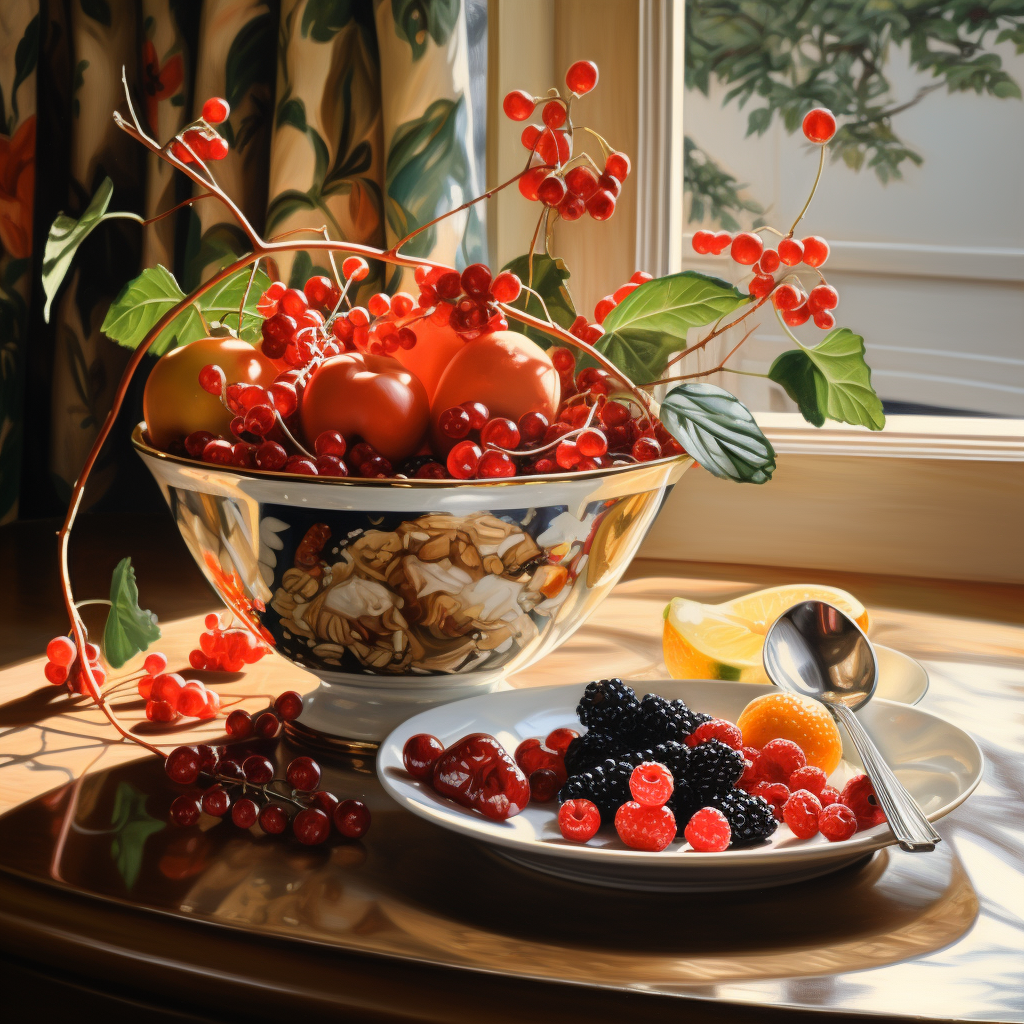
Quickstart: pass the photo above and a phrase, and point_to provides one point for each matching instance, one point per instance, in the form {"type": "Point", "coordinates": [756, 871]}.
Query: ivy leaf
{"type": "Point", "coordinates": [66, 235]}
{"type": "Point", "coordinates": [831, 380]}
{"type": "Point", "coordinates": [549, 280]}
{"type": "Point", "coordinates": [221, 302]}
{"type": "Point", "coordinates": [141, 303]}
{"type": "Point", "coordinates": [718, 430]}
{"type": "Point", "coordinates": [129, 629]}
{"type": "Point", "coordinates": [132, 825]}
{"type": "Point", "coordinates": [651, 323]}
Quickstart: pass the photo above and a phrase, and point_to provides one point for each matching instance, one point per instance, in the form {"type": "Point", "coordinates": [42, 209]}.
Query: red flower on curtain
{"type": "Point", "coordinates": [17, 185]}
{"type": "Point", "coordinates": [159, 83]}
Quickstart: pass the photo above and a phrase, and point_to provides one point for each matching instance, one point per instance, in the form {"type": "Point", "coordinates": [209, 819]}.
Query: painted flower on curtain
{"type": "Point", "coordinates": [159, 82]}
{"type": "Point", "coordinates": [17, 183]}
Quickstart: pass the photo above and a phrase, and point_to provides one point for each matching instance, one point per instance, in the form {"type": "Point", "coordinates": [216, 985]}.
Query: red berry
{"type": "Point", "coordinates": [192, 699]}
{"type": "Point", "coordinates": [825, 320]}
{"type": "Point", "coordinates": [303, 774]}
{"type": "Point", "coordinates": [216, 801]}
{"type": "Point", "coordinates": [267, 725]}
{"type": "Point", "coordinates": [500, 433]}
{"type": "Point", "coordinates": [478, 414]}
{"type": "Point", "coordinates": [780, 758]}
{"type": "Point", "coordinates": [601, 205]}
{"type": "Point", "coordinates": [551, 190]}
{"type": "Point", "coordinates": [420, 753]}
{"type": "Point", "coordinates": [646, 449]}
{"type": "Point", "coordinates": [182, 765]}
{"type": "Point", "coordinates": [167, 687]}
{"type": "Point", "coordinates": [791, 251]}
{"type": "Point", "coordinates": [245, 812]}
{"type": "Point", "coordinates": [702, 241]}
{"type": "Point", "coordinates": [317, 290]}
{"type": "Point", "coordinates": [819, 125]}
{"type": "Point", "coordinates": [578, 820]}
{"type": "Point", "coordinates": [822, 297]}
{"type": "Point", "coordinates": [532, 426]}
{"type": "Point", "coordinates": [463, 460]}
{"type": "Point", "coordinates": [717, 729]}
{"type": "Point", "coordinates": [352, 819]}
{"type": "Point", "coordinates": [544, 785]}
{"type": "Point", "coordinates": [160, 711]}
{"type": "Point", "coordinates": [801, 814]}
{"type": "Point", "coordinates": [746, 248]}
{"type": "Point", "coordinates": [431, 471]}
{"type": "Point", "coordinates": [815, 250]}
{"type": "Point", "coordinates": [581, 77]}
{"type": "Point", "coordinates": [651, 784]}
{"type": "Point", "coordinates": [581, 181]}
{"type": "Point", "coordinates": [558, 740]}
{"type": "Point", "coordinates": [809, 777]}
{"type": "Point", "coordinates": [721, 242]}
{"type": "Point", "coordinates": [571, 207]}
{"type": "Point", "coordinates": [506, 287]}
{"type": "Point", "coordinates": [494, 464]}
{"type": "Point", "coordinates": [454, 423]}
{"type": "Point", "coordinates": [769, 262]}
{"type": "Point", "coordinates": [603, 308]}
{"type": "Point", "coordinates": [760, 286]}
{"type": "Point", "coordinates": [300, 464]}
{"type": "Point", "coordinates": [330, 465]}
{"type": "Point", "coordinates": [211, 379]}
{"type": "Point", "coordinates": [645, 828]}
{"type": "Point", "coordinates": [197, 441]}
{"type": "Point", "coordinates": [787, 296]}
{"type": "Point", "coordinates": [311, 826]}
{"type": "Point", "coordinates": [228, 768]}
{"type": "Point", "coordinates": [61, 651]}
{"type": "Point", "coordinates": [859, 795]}
{"type": "Point", "coordinates": [708, 831]}
{"type": "Point", "coordinates": [529, 183]}
{"type": "Point", "coordinates": [829, 795]}
{"type": "Point", "coordinates": [155, 664]}
{"type": "Point", "coordinates": [355, 268]}
{"type": "Point", "coordinates": [775, 793]}
{"type": "Point", "coordinates": [567, 455]}
{"type": "Point", "coordinates": [325, 801]}
{"type": "Point", "coordinates": [288, 705]}
{"type": "Point", "coordinates": [239, 724]}
{"type": "Point", "coordinates": [837, 822]}
{"type": "Point", "coordinates": [185, 810]}
{"type": "Point", "coordinates": [610, 184]}
{"type": "Point", "coordinates": [798, 316]}
{"type": "Point", "coordinates": [270, 456]}
{"type": "Point", "coordinates": [518, 105]}
{"type": "Point", "coordinates": [617, 165]}
{"type": "Point", "coordinates": [273, 819]}
{"type": "Point", "coordinates": [592, 443]}
{"type": "Point", "coordinates": [216, 110]}
{"type": "Point", "coordinates": [258, 769]}
{"type": "Point", "coordinates": [476, 279]}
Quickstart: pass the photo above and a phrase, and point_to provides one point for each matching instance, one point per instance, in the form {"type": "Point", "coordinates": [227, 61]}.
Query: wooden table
{"type": "Point", "coordinates": [415, 924]}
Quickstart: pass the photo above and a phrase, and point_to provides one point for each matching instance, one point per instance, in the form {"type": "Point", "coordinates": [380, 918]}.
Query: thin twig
{"type": "Point", "coordinates": [703, 373]}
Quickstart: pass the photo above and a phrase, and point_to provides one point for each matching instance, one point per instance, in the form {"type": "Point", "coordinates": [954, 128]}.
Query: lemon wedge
{"type": "Point", "coordinates": [724, 641]}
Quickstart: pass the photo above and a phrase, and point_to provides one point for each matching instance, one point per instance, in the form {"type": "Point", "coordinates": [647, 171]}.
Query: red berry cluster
{"type": "Point", "coordinates": [241, 725]}
{"type": "Point", "coordinates": [470, 297]}
{"type": "Point", "coordinates": [570, 188]}
{"type": "Point", "coordinates": [199, 141]}
{"type": "Point", "coordinates": [543, 762]}
{"type": "Point", "coordinates": [169, 696]}
{"type": "Point", "coordinates": [645, 823]}
{"type": "Point", "coordinates": [64, 666]}
{"type": "Point", "coordinates": [245, 788]}
{"type": "Point", "coordinates": [799, 793]}
{"type": "Point", "coordinates": [609, 302]}
{"type": "Point", "coordinates": [226, 650]}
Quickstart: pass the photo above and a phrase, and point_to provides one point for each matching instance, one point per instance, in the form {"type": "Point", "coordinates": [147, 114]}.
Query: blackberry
{"type": "Point", "coordinates": [610, 706]}
{"type": "Point", "coordinates": [713, 769]}
{"type": "Point", "coordinates": [749, 817]}
{"type": "Point", "coordinates": [590, 749]}
{"type": "Point", "coordinates": [606, 785]}
{"type": "Point", "coordinates": [687, 719]}
{"type": "Point", "coordinates": [657, 722]}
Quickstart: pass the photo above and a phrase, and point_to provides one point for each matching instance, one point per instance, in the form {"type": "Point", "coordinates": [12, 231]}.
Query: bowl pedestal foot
{"type": "Point", "coordinates": [352, 714]}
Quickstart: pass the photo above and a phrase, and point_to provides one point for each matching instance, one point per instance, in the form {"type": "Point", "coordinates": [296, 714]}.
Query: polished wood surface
{"type": "Point", "coordinates": [940, 938]}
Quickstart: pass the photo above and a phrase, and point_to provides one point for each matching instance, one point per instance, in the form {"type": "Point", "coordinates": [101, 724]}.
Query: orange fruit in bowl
{"type": "Point", "coordinates": [436, 345]}
{"type": "Point", "coordinates": [789, 716]}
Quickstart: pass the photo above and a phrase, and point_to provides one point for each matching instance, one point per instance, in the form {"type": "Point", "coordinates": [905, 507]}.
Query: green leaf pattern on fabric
{"type": "Point", "coordinates": [415, 20]}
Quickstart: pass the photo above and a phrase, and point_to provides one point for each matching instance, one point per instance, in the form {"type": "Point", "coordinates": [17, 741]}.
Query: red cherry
{"type": "Point", "coordinates": [182, 765]}
{"type": "Point", "coordinates": [476, 279]}
{"type": "Point", "coordinates": [530, 136]}
{"type": "Point", "coordinates": [463, 460]}
{"type": "Point", "coordinates": [478, 414]}
{"type": "Point", "coordinates": [239, 724]}
{"type": "Point", "coordinates": [216, 801]}
{"type": "Point", "coordinates": [216, 110]}
{"type": "Point", "coordinates": [258, 769]}
{"type": "Point", "coordinates": [791, 251]}
{"type": "Point", "coordinates": [245, 812]}
{"type": "Point", "coordinates": [506, 287]}
{"type": "Point", "coordinates": [571, 207]}
{"type": "Point", "coordinates": [160, 711]}
{"type": "Point", "coordinates": [815, 250]}
{"type": "Point", "coordinates": [288, 705]}
{"type": "Point", "coordinates": [300, 464]}
{"type": "Point", "coordinates": [197, 441]}
{"type": "Point", "coordinates": [311, 826]}
{"type": "Point", "coordinates": [420, 753]}
{"type": "Point", "coordinates": [518, 105]}
{"type": "Point", "coordinates": [273, 819]}
{"type": "Point", "coordinates": [494, 464]}
{"type": "Point", "coordinates": [567, 455]}
{"type": "Point", "coordinates": [581, 77]}
{"type": "Point", "coordinates": [544, 785]}
{"type": "Point", "coordinates": [185, 811]}
{"type": "Point", "coordinates": [352, 819]}
{"type": "Point", "coordinates": [617, 165]}
{"type": "Point", "coordinates": [746, 248]}
{"type": "Point", "coordinates": [592, 443]}
{"type": "Point", "coordinates": [553, 114]}
{"type": "Point", "coordinates": [192, 699]}
{"type": "Point", "coordinates": [267, 725]}
{"type": "Point", "coordinates": [454, 423]}
{"type": "Point", "coordinates": [819, 125]}
{"type": "Point", "coordinates": [532, 426]}
{"type": "Point", "coordinates": [500, 432]}
{"type": "Point", "coordinates": [610, 184]}
{"type": "Point", "coordinates": [270, 456]}
{"type": "Point", "coordinates": [303, 774]}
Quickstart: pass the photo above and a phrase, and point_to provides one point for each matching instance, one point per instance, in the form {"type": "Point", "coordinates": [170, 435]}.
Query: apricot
{"type": "Point", "coordinates": [370, 396]}
{"type": "Point", "coordinates": [436, 345]}
{"type": "Point", "coordinates": [506, 371]}
{"type": "Point", "coordinates": [174, 404]}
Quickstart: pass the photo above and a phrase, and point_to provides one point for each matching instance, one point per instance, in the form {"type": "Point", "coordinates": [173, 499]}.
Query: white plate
{"type": "Point", "coordinates": [900, 677]}
{"type": "Point", "coordinates": [939, 763]}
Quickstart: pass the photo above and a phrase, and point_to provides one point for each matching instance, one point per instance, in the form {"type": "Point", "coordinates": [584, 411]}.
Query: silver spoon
{"type": "Point", "coordinates": [816, 650]}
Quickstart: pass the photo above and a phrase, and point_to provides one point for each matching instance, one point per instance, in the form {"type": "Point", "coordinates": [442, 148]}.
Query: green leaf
{"type": "Point", "coordinates": [98, 10]}
{"type": "Point", "coordinates": [25, 57]}
{"type": "Point", "coordinates": [651, 323]}
{"type": "Point", "coordinates": [141, 303]}
{"type": "Point", "coordinates": [831, 380]}
{"type": "Point", "coordinates": [324, 19]}
{"type": "Point", "coordinates": [132, 825]}
{"type": "Point", "coordinates": [221, 302]}
{"type": "Point", "coordinates": [66, 235]}
{"type": "Point", "coordinates": [549, 280]}
{"type": "Point", "coordinates": [718, 430]}
{"type": "Point", "coordinates": [251, 52]}
{"type": "Point", "coordinates": [129, 629]}
{"type": "Point", "coordinates": [414, 19]}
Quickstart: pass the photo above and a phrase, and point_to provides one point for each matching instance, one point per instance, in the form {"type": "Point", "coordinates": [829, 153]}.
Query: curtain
{"type": "Point", "coordinates": [350, 115]}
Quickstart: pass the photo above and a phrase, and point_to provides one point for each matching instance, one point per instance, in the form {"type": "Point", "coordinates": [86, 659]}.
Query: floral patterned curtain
{"type": "Point", "coordinates": [349, 115]}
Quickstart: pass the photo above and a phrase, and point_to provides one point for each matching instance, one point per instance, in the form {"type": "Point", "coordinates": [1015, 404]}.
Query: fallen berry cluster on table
{"type": "Point", "coordinates": [652, 768]}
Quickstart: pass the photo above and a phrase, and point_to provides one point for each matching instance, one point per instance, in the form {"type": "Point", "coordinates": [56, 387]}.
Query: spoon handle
{"type": "Point", "coordinates": [912, 829]}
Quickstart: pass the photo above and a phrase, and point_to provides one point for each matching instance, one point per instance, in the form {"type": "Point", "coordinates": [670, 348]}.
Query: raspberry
{"type": "Point", "coordinates": [751, 768]}
{"type": "Point", "coordinates": [779, 759]}
{"type": "Point", "coordinates": [801, 814]}
{"type": "Point", "coordinates": [859, 795]}
{"type": "Point", "coordinates": [559, 740]}
{"type": "Point", "coordinates": [645, 828]}
{"type": "Point", "coordinates": [828, 795]}
{"type": "Point", "coordinates": [651, 784]}
{"type": "Point", "coordinates": [775, 793]}
{"type": "Point", "coordinates": [810, 778]}
{"type": "Point", "coordinates": [837, 822]}
{"type": "Point", "coordinates": [708, 831]}
{"type": "Point", "coordinates": [716, 729]}
{"type": "Point", "coordinates": [578, 820]}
